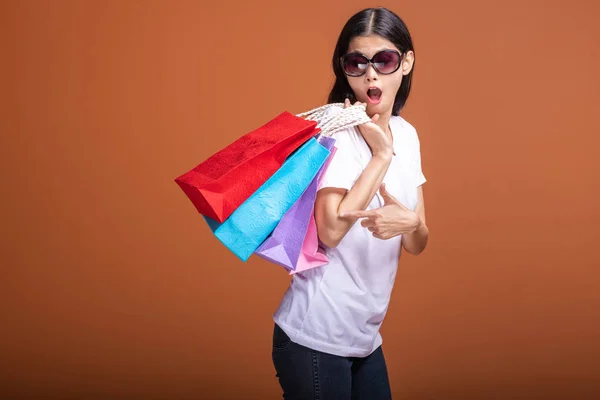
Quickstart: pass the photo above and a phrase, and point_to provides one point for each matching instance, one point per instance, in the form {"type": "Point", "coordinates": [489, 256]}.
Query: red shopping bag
{"type": "Point", "coordinates": [225, 180]}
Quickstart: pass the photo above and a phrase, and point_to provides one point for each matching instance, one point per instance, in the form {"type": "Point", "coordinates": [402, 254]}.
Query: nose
{"type": "Point", "coordinates": [371, 74]}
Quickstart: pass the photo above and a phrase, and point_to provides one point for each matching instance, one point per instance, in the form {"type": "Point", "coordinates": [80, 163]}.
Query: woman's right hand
{"type": "Point", "coordinates": [375, 137]}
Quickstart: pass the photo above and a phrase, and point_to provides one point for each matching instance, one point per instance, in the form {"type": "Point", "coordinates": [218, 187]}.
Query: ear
{"type": "Point", "coordinates": [407, 62]}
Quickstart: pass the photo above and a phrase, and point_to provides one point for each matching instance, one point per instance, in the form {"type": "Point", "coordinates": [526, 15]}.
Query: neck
{"type": "Point", "coordinates": [384, 122]}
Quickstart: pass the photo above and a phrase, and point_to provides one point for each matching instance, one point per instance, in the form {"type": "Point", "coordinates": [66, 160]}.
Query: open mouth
{"type": "Point", "coordinates": [374, 95]}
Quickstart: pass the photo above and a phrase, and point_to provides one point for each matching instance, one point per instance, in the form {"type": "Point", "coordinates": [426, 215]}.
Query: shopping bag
{"type": "Point", "coordinates": [218, 186]}
{"type": "Point", "coordinates": [311, 255]}
{"type": "Point", "coordinates": [285, 244]}
{"type": "Point", "coordinates": [252, 222]}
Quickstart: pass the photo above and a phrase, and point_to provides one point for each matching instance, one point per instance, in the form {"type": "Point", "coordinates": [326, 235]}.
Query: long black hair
{"type": "Point", "coordinates": [378, 21]}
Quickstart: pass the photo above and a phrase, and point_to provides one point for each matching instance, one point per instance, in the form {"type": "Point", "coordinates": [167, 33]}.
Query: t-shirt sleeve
{"type": "Point", "coordinates": [420, 177]}
{"type": "Point", "coordinates": [345, 166]}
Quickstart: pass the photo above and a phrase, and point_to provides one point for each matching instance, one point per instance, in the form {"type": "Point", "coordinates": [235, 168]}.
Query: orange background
{"type": "Point", "coordinates": [114, 288]}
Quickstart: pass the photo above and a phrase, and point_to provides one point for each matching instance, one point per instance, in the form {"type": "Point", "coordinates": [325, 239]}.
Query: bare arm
{"type": "Point", "coordinates": [416, 241]}
{"type": "Point", "coordinates": [331, 202]}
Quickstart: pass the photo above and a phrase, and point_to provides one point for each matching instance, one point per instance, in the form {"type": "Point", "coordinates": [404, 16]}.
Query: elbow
{"type": "Point", "coordinates": [329, 243]}
{"type": "Point", "coordinates": [414, 251]}
{"type": "Point", "coordinates": [415, 248]}
{"type": "Point", "coordinates": [330, 238]}
{"type": "Point", "coordinates": [416, 244]}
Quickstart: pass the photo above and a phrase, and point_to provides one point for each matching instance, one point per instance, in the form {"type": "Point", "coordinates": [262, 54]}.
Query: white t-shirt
{"type": "Point", "coordinates": [338, 308]}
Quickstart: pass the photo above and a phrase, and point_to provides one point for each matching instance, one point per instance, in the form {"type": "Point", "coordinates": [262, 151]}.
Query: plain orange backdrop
{"type": "Point", "coordinates": [112, 286]}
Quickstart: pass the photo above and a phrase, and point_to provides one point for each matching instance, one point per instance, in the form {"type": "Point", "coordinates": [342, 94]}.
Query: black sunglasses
{"type": "Point", "coordinates": [384, 62]}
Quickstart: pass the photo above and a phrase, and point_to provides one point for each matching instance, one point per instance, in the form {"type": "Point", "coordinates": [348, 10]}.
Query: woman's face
{"type": "Point", "coordinates": [377, 90]}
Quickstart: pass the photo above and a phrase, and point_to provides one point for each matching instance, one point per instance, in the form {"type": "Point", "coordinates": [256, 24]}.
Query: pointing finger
{"type": "Point", "coordinates": [357, 214]}
{"type": "Point", "coordinates": [367, 223]}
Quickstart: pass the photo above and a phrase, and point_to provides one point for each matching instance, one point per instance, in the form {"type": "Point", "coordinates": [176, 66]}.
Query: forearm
{"type": "Point", "coordinates": [365, 187]}
{"type": "Point", "coordinates": [416, 241]}
{"type": "Point", "coordinates": [332, 228]}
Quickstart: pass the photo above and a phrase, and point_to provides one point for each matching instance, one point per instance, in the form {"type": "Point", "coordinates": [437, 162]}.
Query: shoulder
{"type": "Point", "coordinates": [404, 127]}
{"type": "Point", "coordinates": [404, 131]}
{"type": "Point", "coordinates": [332, 110]}
{"type": "Point", "coordinates": [349, 137]}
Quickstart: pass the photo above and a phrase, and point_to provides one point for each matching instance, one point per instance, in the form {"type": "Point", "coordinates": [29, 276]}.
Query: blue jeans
{"type": "Point", "coordinates": [306, 374]}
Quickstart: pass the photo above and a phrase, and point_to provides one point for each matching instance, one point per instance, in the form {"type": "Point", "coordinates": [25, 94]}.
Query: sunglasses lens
{"type": "Point", "coordinates": [386, 62]}
{"type": "Point", "coordinates": [355, 64]}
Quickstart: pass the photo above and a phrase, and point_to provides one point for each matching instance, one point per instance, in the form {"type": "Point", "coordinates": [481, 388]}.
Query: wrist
{"type": "Point", "coordinates": [384, 155]}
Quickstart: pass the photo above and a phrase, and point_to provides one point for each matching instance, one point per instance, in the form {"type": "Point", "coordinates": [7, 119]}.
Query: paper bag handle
{"type": "Point", "coordinates": [347, 118]}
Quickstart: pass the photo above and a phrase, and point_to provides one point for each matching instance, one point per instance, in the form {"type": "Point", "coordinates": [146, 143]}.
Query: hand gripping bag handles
{"type": "Point", "coordinates": [256, 218]}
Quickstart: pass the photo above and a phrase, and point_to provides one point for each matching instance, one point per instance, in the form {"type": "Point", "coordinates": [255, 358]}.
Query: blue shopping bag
{"type": "Point", "coordinates": [254, 220]}
{"type": "Point", "coordinates": [284, 245]}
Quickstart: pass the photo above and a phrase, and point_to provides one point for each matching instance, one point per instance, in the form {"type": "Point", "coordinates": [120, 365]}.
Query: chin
{"type": "Point", "coordinates": [380, 108]}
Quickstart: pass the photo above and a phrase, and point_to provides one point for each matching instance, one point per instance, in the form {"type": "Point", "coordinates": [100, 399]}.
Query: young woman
{"type": "Point", "coordinates": [326, 341]}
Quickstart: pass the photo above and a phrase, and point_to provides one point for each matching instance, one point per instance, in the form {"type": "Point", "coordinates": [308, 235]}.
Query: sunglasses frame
{"type": "Point", "coordinates": [370, 61]}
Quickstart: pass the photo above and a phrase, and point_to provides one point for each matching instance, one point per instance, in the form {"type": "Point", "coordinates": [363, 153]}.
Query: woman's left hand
{"type": "Point", "coordinates": [391, 220]}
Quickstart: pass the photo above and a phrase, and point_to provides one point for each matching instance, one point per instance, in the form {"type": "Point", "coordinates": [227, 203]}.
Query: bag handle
{"type": "Point", "coordinates": [347, 118]}
{"type": "Point", "coordinates": [316, 113]}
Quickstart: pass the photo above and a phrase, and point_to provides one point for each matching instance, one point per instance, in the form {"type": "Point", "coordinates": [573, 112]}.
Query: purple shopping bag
{"type": "Point", "coordinates": [284, 245]}
{"type": "Point", "coordinates": [311, 255]}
